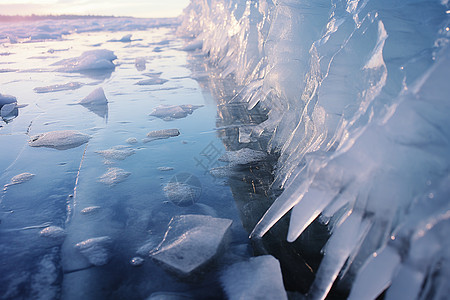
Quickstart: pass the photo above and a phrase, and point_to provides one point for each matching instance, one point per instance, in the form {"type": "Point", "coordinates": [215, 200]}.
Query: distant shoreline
{"type": "Point", "coordinates": [18, 18]}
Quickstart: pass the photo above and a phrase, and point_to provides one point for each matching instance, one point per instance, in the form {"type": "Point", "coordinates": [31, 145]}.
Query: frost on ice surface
{"type": "Point", "coordinates": [190, 243]}
{"type": "Point", "coordinates": [182, 194]}
{"type": "Point", "coordinates": [96, 250]}
{"type": "Point", "coordinates": [131, 141]}
{"type": "Point", "coordinates": [258, 278]}
{"type": "Point", "coordinates": [116, 152]}
{"type": "Point", "coordinates": [161, 134]}
{"type": "Point", "coordinates": [61, 140]}
{"type": "Point", "coordinates": [170, 112]}
{"type": "Point", "coordinates": [114, 176]}
{"type": "Point", "coordinates": [90, 60]}
{"type": "Point", "coordinates": [243, 156]}
{"type": "Point", "coordinates": [58, 87]}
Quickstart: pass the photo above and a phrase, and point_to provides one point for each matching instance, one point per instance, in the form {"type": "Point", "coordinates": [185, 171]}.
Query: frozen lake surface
{"type": "Point", "coordinates": [109, 139]}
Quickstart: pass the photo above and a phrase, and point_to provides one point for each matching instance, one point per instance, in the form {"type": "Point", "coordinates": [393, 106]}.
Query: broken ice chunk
{"type": "Point", "coordinates": [90, 210]}
{"type": "Point", "coordinates": [58, 87]}
{"type": "Point", "coordinates": [96, 250]}
{"type": "Point", "coordinates": [140, 63]}
{"type": "Point", "coordinates": [190, 243]}
{"type": "Point", "coordinates": [165, 169]}
{"type": "Point", "coordinates": [161, 134]}
{"type": "Point", "coordinates": [61, 140]}
{"type": "Point", "coordinates": [258, 278]}
{"type": "Point", "coordinates": [96, 97]}
{"type": "Point", "coordinates": [243, 156]}
{"type": "Point", "coordinates": [170, 112]}
{"type": "Point", "coordinates": [100, 59]}
{"type": "Point", "coordinates": [7, 99]}
{"type": "Point", "coordinates": [7, 109]}
{"type": "Point", "coordinates": [152, 81]}
{"type": "Point", "coordinates": [114, 176]}
{"type": "Point", "coordinates": [116, 152]}
{"type": "Point", "coordinates": [53, 232]}
{"type": "Point", "coordinates": [21, 178]}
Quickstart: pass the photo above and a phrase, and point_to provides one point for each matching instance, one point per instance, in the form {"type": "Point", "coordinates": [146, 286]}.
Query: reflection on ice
{"type": "Point", "coordinates": [96, 102]}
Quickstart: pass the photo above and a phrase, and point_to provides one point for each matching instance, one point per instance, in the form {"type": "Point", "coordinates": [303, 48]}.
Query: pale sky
{"type": "Point", "coordinates": [134, 8]}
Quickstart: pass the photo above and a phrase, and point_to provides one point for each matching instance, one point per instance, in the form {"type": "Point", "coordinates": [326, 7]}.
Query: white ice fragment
{"type": "Point", "coordinates": [7, 109]}
{"type": "Point", "coordinates": [96, 97]}
{"type": "Point", "coordinates": [170, 112]}
{"type": "Point", "coordinates": [7, 99]}
{"type": "Point", "coordinates": [53, 232]}
{"type": "Point", "coordinates": [243, 156]}
{"type": "Point", "coordinates": [245, 133]}
{"type": "Point", "coordinates": [182, 194]}
{"type": "Point", "coordinates": [131, 140]}
{"type": "Point", "coordinates": [161, 134]}
{"type": "Point", "coordinates": [164, 169]}
{"type": "Point", "coordinates": [90, 210]}
{"type": "Point", "coordinates": [96, 250]}
{"type": "Point", "coordinates": [61, 140]}
{"type": "Point", "coordinates": [152, 81]}
{"type": "Point", "coordinates": [139, 63]}
{"type": "Point", "coordinates": [114, 176]}
{"type": "Point", "coordinates": [137, 261]}
{"type": "Point", "coordinates": [116, 153]}
{"type": "Point", "coordinates": [191, 242]}
{"type": "Point", "coordinates": [90, 60]}
{"type": "Point", "coordinates": [126, 38]}
{"type": "Point", "coordinates": [58, 87]}
{"type": "Point", "coordinates": [21, 178]}
{"type": "Point", "coordinates": [258, 278]}
{"type": "Point", "coordinates": [376, 274]}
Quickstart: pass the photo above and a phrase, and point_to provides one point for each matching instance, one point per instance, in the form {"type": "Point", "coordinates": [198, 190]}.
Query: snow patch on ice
{"type": "Point", "coordinates": [61, 140]}
{"type": "Point", "coordinates": [114, 176]}
{"type": "Point", "coordinates": [58, 87]}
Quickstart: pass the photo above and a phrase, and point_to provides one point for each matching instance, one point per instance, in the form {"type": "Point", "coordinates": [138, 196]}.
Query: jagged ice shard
{"type": "Point", "coordinates": [357, 97]}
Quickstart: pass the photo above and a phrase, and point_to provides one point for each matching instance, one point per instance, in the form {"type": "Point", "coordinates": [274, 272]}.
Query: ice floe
{"type": "Point", "coordinates": [90, 60]}
{"type": "Point", "coordinates": [54, 232]}
{"type": "Point", "coordinates": [61, 140]}
{"type": "Point", "coordinates": [58, 87]}
{"type": "Point", "coordinates": [116, 152]}
{"type": "Point", "coordinates": [243, 156]}
{"type": "Point", "coordinates": [152, 81]}
{"type": "Point", "coordinates": [96, 250]}
{"type": "Point", "coordinates": [258, 278]}
{"type": "Point", "coordinates": [90, 210]}
{"type": "Point", "coordinates": [114, 176]}
{"type": "Point", "coordinates": [21, 178]}
{"type": "Point", "coordinates": [161, 134]}
{"type": "Point", "coordinates": [170, 112]}
{"type": "Point", "coordinates": [190, 243]}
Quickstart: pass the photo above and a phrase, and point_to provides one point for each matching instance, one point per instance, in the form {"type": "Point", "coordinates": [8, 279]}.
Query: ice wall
{"type": "Point", "coordinates": [357, 97]}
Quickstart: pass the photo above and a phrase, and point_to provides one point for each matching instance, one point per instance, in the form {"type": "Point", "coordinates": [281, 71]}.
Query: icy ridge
{"type": "Point", "coordinates": [357, 101]}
